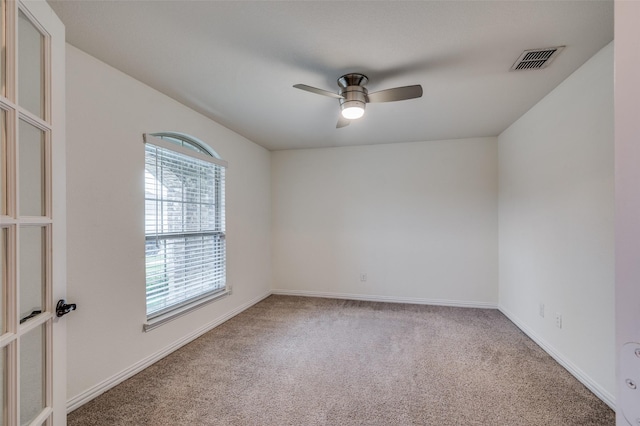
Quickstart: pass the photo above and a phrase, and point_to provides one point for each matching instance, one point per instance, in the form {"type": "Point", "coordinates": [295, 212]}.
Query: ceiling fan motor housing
{"type": "Point", "coordinates": [355, 95]}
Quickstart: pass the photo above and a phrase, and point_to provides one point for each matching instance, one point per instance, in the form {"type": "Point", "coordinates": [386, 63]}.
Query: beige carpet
{"type": "Point", "coordinates": [307, 361]}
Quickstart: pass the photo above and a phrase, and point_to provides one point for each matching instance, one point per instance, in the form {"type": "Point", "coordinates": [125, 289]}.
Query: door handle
{"type": "Point", "coordinates": [63, 308]}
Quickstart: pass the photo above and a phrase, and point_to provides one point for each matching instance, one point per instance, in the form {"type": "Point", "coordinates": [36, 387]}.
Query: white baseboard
{"type": "Point", "coordinates": [120, 377]}
{"type": "Point", "coordinates": [584, 378]}
{"type": "Point", "coordinates": [388, 299]}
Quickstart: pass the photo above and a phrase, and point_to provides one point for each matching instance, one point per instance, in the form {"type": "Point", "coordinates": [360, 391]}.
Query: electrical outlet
{"type": "Point", "coordinates": [558, 320]}
{"type": "Point", "coordinates": [541, 310]}
{"type": "Point", "coordinates": [363, 277]}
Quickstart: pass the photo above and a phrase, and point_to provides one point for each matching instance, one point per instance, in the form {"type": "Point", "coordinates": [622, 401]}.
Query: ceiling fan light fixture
{"type": "Point", "coordinates": [352, 112]}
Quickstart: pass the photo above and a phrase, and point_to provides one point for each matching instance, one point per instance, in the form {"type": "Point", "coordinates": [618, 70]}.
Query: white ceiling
{"type": "Point", "coordinates": [236, 61]}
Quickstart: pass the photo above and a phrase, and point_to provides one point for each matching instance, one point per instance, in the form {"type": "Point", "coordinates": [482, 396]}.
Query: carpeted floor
{"type": "Point", "coordinates": [308, 361]}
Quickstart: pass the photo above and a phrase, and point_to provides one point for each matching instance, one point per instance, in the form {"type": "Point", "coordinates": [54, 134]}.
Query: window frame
{"type": "Point", "coordinates": [188, 146]}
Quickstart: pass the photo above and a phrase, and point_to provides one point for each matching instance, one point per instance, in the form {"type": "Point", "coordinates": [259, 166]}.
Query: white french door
{"type": "Point", "coordinates": [32, 215]}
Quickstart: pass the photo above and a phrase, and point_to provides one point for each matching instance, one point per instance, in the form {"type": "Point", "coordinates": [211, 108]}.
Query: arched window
{"type": "Point", "coordinates": [185, 246]}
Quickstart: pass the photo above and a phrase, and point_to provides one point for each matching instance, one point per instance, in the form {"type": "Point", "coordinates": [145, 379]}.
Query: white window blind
{"type": "Point", "coordinates": [184, 224]}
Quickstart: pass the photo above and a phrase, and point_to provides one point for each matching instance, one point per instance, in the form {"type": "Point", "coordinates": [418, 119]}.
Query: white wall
{"type": "Point", "coordinates": [556, 222]}
{"type": "Point", "coordinates": [107, 113]}
{"type": "Point", "coordinates": [627, 160]}
{"type": "Point", "coordinates": [420, 219]}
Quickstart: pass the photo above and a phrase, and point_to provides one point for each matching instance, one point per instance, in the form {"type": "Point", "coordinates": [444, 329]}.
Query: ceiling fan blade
{"type": "Point", "coordinates": [342, 122]}
{"type": "Point", "coordinates": [318, 91]}
{"type": "Point", "coordinates": [396, 94]}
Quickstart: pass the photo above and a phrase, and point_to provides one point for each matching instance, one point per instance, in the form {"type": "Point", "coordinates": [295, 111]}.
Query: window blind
{"type": "Point", "coordinates": [184, 226]}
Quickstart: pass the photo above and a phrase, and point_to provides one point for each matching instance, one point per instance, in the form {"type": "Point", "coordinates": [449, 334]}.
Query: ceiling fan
{"type": "Point", "coordinates": [353, 95]}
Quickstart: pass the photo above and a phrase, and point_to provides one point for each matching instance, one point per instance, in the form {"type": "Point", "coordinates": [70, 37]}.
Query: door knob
{"type": "Point", "coordinates": [63, 308]}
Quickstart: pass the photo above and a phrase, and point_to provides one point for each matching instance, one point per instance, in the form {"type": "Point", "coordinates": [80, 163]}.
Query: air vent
{"type": "Point", "coordinates": [536, 59]}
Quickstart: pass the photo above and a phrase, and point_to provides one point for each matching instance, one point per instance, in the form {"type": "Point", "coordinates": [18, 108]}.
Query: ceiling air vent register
{"type": "Point", "coordinates": [536, 59]}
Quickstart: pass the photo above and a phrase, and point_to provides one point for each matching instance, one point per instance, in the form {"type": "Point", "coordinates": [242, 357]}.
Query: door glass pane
{"type": "Point", "coordinates": [32, 271]}
{"type": "Point", "coordinates": [3, 279]}
{"type": "Point", "coordinates": [31, 170]}
{"type": "Point", "coordinates": [3, 162]}
{"type": "Point", "coordinates": [3, 43]}
{"type": "Point", "coordinates": [30, 66]}
{"type": "Point", "coordinates": [32, 347]}
{"type": "Point", "coordinates": [3, 385]}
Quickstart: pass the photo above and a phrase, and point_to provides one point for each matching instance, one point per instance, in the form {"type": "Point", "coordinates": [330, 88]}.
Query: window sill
{"type": "Point", "coordinates": [178, 312]}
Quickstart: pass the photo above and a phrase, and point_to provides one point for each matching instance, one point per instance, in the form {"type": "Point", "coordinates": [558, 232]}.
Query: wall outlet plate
{"type": "Point", "coordinates": [629, 398]}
